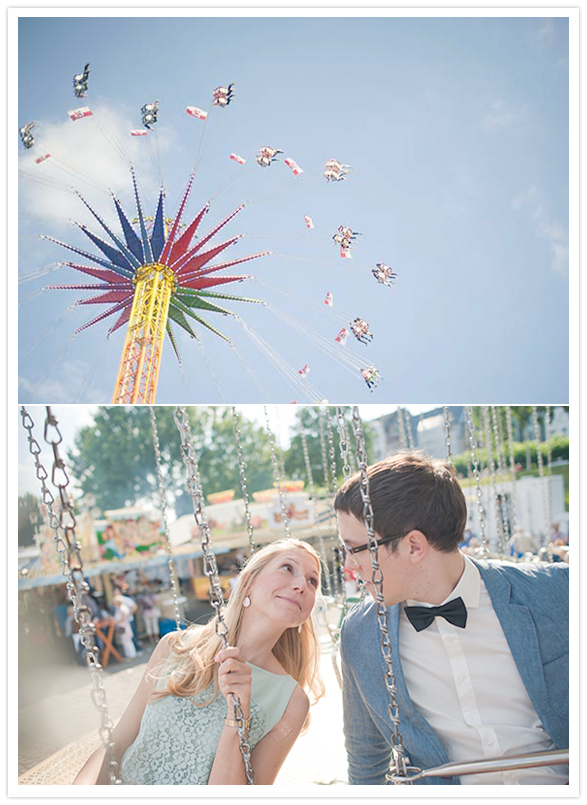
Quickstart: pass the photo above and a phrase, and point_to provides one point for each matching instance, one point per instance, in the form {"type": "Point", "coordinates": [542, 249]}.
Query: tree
{"type": "Point", "coordinates": [308, 421]}
{"type": "Point", "coordinates": [27, 504]}
{"type": "Point", "coordinates": [114, 458]}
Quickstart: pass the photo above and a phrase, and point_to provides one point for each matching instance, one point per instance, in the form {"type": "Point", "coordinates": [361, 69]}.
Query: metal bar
{"type": "Point", "coordinates": [550, 758]}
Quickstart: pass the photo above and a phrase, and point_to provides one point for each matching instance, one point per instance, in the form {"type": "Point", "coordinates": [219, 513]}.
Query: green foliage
{"type": "Point", "coordinates": [27, 504]}
{"type": "Point", "coordinates": [114, 458]}
{"type": "Point", "coordinates": [308, 421]}
{"type": "Point", "coordinates": [559, 446]}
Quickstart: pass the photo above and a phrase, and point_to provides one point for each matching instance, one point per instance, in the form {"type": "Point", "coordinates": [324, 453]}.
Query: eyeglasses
{"type": "Point", "coordinates": [352, 551]}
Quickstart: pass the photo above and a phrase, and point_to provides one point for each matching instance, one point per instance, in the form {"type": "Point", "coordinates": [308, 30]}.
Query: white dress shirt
{"type": "Point", "coordinates": [465, 683]}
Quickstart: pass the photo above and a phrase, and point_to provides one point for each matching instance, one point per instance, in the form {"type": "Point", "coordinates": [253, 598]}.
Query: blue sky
{"type": "Point", "coordinates": [457, 131]}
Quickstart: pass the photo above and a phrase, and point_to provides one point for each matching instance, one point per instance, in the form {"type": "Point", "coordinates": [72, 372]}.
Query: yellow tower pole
{"type": "Point", "coordinates": [140, 363]}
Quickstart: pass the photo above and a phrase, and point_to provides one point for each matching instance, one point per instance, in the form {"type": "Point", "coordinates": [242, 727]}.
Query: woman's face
{"type": "Point", "coordinates": [286, 587]}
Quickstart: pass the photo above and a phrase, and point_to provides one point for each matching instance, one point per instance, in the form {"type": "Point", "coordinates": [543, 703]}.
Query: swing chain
{"type": "Point", "coordinates": [501, 465]}
{"type": "Point", "coordinates": [163, 502]}
{"type": "Point", "coordinates": [241, 468]}
{"type": "Point", "coordinates": [491, 466]}
{"type": "Point", "coordinates": [447, 430]}
{"type": "Point", "coordinates": [278, 484]}
{"type": "Point", "coordinates": [210, 568]}
{"type": "Point", "coordinates": [484, 553]}
{"type": "Point", "coordinates": [332, 454]}
{"type": "Point", "coordinates": [399, 759]}
{"type": "Point", "coordinates": [326, 574]}
{"type": "Point", "coordinates": [343, 443]}
{"type": "Point", "coordinates": [69, 549]}
{"type": "Point", "coordinates": [323, 449]}
{"type": "Point", "coordinates": [403, 436]}
{"type": "Point", "coordinates": [514, 506]}
{"type": "Point", "coordinates": [545, 501]}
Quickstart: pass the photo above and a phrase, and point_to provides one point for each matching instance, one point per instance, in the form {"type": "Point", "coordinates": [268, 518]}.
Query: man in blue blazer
{"type": "Point", "coordinates": [479, 648]}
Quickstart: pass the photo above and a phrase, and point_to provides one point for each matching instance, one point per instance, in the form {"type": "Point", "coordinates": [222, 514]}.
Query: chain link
{"type": "Point", "coordinates": [69, 550]}
{"type": "Point", "coordinates": [501, 466]}
{"type": "Point", "coordinates": [323, 449]}
{"type": "Point", "coordinates": [284, 514]}
{"type": "Point", "coordinates": [321, 542]}
{"type": "Point", "coordinates": [484, 553]}
{"type": "Point", "coordinates": [399, 760]}
{"type": "Point", "coordinates": [491, 466]}
{"type": "Point", "coordinates": [543, 482]}
{"type": "Point", "coordinates": [241, 468]}
{"type": "Point", "coordinates": [332, 455]}
{"type": "Point", "coordinates": [514, 506]}
{"type": "Point", "coordinates": [163, 504]}
{"type": "Point", "coordinates": [403, 436]}
{"type": "Point", "coordinates": [447, 430]}
{"type": "Point", "coordinates": [210, 567]}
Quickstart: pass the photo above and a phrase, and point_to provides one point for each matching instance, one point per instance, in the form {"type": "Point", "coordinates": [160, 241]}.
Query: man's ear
{"type": "Point", "coordinates": [417, 545]}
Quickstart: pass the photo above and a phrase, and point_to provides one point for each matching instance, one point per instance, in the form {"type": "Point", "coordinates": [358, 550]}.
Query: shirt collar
{"type": "Point", "coordinates": [468, 588]}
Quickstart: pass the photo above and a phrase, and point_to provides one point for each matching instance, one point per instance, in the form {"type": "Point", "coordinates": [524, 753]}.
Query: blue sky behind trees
{"type": "Point", "coordinates": [457, 132]}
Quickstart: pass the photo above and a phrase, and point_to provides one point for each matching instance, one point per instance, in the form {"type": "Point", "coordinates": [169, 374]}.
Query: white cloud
{"type": "Point", "coordinates": [90, 155]}
{"type": "Point", "coordinates": [501, 116]}
{"type": "Point", "coordinates": [74, 376]}
{"type": "Point", "coordinates": [547, 227]}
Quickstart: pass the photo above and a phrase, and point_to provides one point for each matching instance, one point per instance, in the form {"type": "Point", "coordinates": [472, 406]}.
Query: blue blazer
{"type": "Point", "coordinates": [532, 604]}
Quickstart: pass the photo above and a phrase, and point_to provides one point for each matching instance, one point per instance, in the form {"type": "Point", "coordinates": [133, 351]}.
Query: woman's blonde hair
{"type": "Point", "coordinates": [191, 667]}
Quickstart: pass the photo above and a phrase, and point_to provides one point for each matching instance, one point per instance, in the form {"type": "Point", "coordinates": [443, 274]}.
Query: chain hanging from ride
{"type": "Point", "coordinates": [69, 550]}
{"type": "Point", "coordinates": [241, 468]}
{"type": "Point", "coordinates": [514, 507]}
{"type": "Point", "coordinates": [491, 467]}
{"type": "Point", "coordinates": [399, 761]}
{"type": "Point", "coordinates": [318, 525]}
{"type": "Point", "coordinates": [210, 567]}
{"type": "Point", "coordinates": [447, 431]}
{"type": "Point", "coordinates": [484, 553]}
{"type": "Point", "coordinates": [501, 466]}
{"type": "Point", "coordinates": [323, 449]}
{"type": "Point", "coordinates": [332, 455]}
{"type": "Point", "coordinates": [543, 480]}
{"type": "Point", "coordinates": [278, 483]}
{"type": "Point", "coordinates": [422, 429]}
{"type": "Point", "coordinates": [403, 436]}
{"type": "Point", "coordinates": [163, 504]}
{"type": "Point", "coordinates": [548, 434]}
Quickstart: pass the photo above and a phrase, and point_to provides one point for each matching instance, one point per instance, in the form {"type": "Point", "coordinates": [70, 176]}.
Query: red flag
{"type": "Point", "coordinates": [309, 222]}
{"type": "Point", "coordinates": [342, 336]}
{"type": "Point", "coordinates": [329, 299]}
{"type": "Point", "coordinates": [195, 112]}
{"type": "Point", "coordinates": [293, 165]}
{"type": "Point", "coordinates": [83, 111]}
{"type": "Point", "coordinates": [42, 159]}
{"type": "Point", "coordinates": [238, 159]}
{"type": "Point", "coordinates": [138, 132]}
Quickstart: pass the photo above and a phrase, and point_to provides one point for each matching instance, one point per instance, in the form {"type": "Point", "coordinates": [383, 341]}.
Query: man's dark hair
{"type": "Point", "coordinates": [410, 491]}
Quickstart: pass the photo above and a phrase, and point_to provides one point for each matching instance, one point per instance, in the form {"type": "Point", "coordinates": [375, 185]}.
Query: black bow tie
{"type": "Point", "coordinates": [453, 611]}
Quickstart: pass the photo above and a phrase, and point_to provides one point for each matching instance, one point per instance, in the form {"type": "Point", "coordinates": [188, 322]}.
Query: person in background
{"type": "Point", "coordinates": [121, 617]}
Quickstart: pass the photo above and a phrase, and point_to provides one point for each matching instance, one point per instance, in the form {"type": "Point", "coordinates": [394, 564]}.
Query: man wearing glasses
{"type": "Point", "coordinates": [479, 648]}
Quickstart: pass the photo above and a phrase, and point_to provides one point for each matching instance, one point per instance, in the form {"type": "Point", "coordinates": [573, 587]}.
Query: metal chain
{"type": "Point", "coordinates": [323, 449]}
{"type": "Point", "coordinates": [548, 437]}
{"type": "Point", "coordinates": [318, 525]}
{"type": "Point", "coordinates": [69, 549]}
{"type": "Point", "coordinates": [284, 514]}
{"type": "Point", "coordinates": [241, 468]}
{"type": "Point", "coordinates": [491, 466]}
{"type": "Point", "coordinates": [545, 491]}
{"type": "Point", "coordinates": [514, 506]}
{"type": "Point", "coordinates": [399, 760]}
{"type": "Point", "coordinates": [163, 504]}
{"type": "Point", "coordinates": [447, 430]}
{"type": "Point", "coordinates": [408, 424]}
{"type": "Point", "coordinates": [332, 454]}
{"type": "Point", "coordinates": [403, 436]}
{"type": "Point", "coordinates": [484, 553]}
{"type": "Point", "coordinates": [210, 567]}
{"type": "Point", "coordinates": [501, 466]}
{"type": "Point", "coordinates": [423, 431]}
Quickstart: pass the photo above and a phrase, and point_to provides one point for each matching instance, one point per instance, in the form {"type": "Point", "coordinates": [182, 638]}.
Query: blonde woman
{"type": "Point", "coordinates": [179, 727]}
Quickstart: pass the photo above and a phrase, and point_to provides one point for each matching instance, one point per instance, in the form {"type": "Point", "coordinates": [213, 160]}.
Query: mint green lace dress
{"type": "Point", "coordinates": [177, 741]}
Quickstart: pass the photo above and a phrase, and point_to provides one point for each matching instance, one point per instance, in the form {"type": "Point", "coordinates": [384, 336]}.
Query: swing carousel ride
{"type": "Point", "coordinates": [340, 425]}
{"type": "Point", "coordinates": [159, 277]}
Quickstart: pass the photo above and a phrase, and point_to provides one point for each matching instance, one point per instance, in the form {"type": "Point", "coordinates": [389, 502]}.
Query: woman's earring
{"type": "Point", "coordinates": [300, 629]}
{"type": "Point", "coordinates": [247, 602]}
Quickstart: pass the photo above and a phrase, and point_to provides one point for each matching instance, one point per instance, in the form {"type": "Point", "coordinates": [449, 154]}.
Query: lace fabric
{"type": "Point", "coordinates": [177, 741]}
